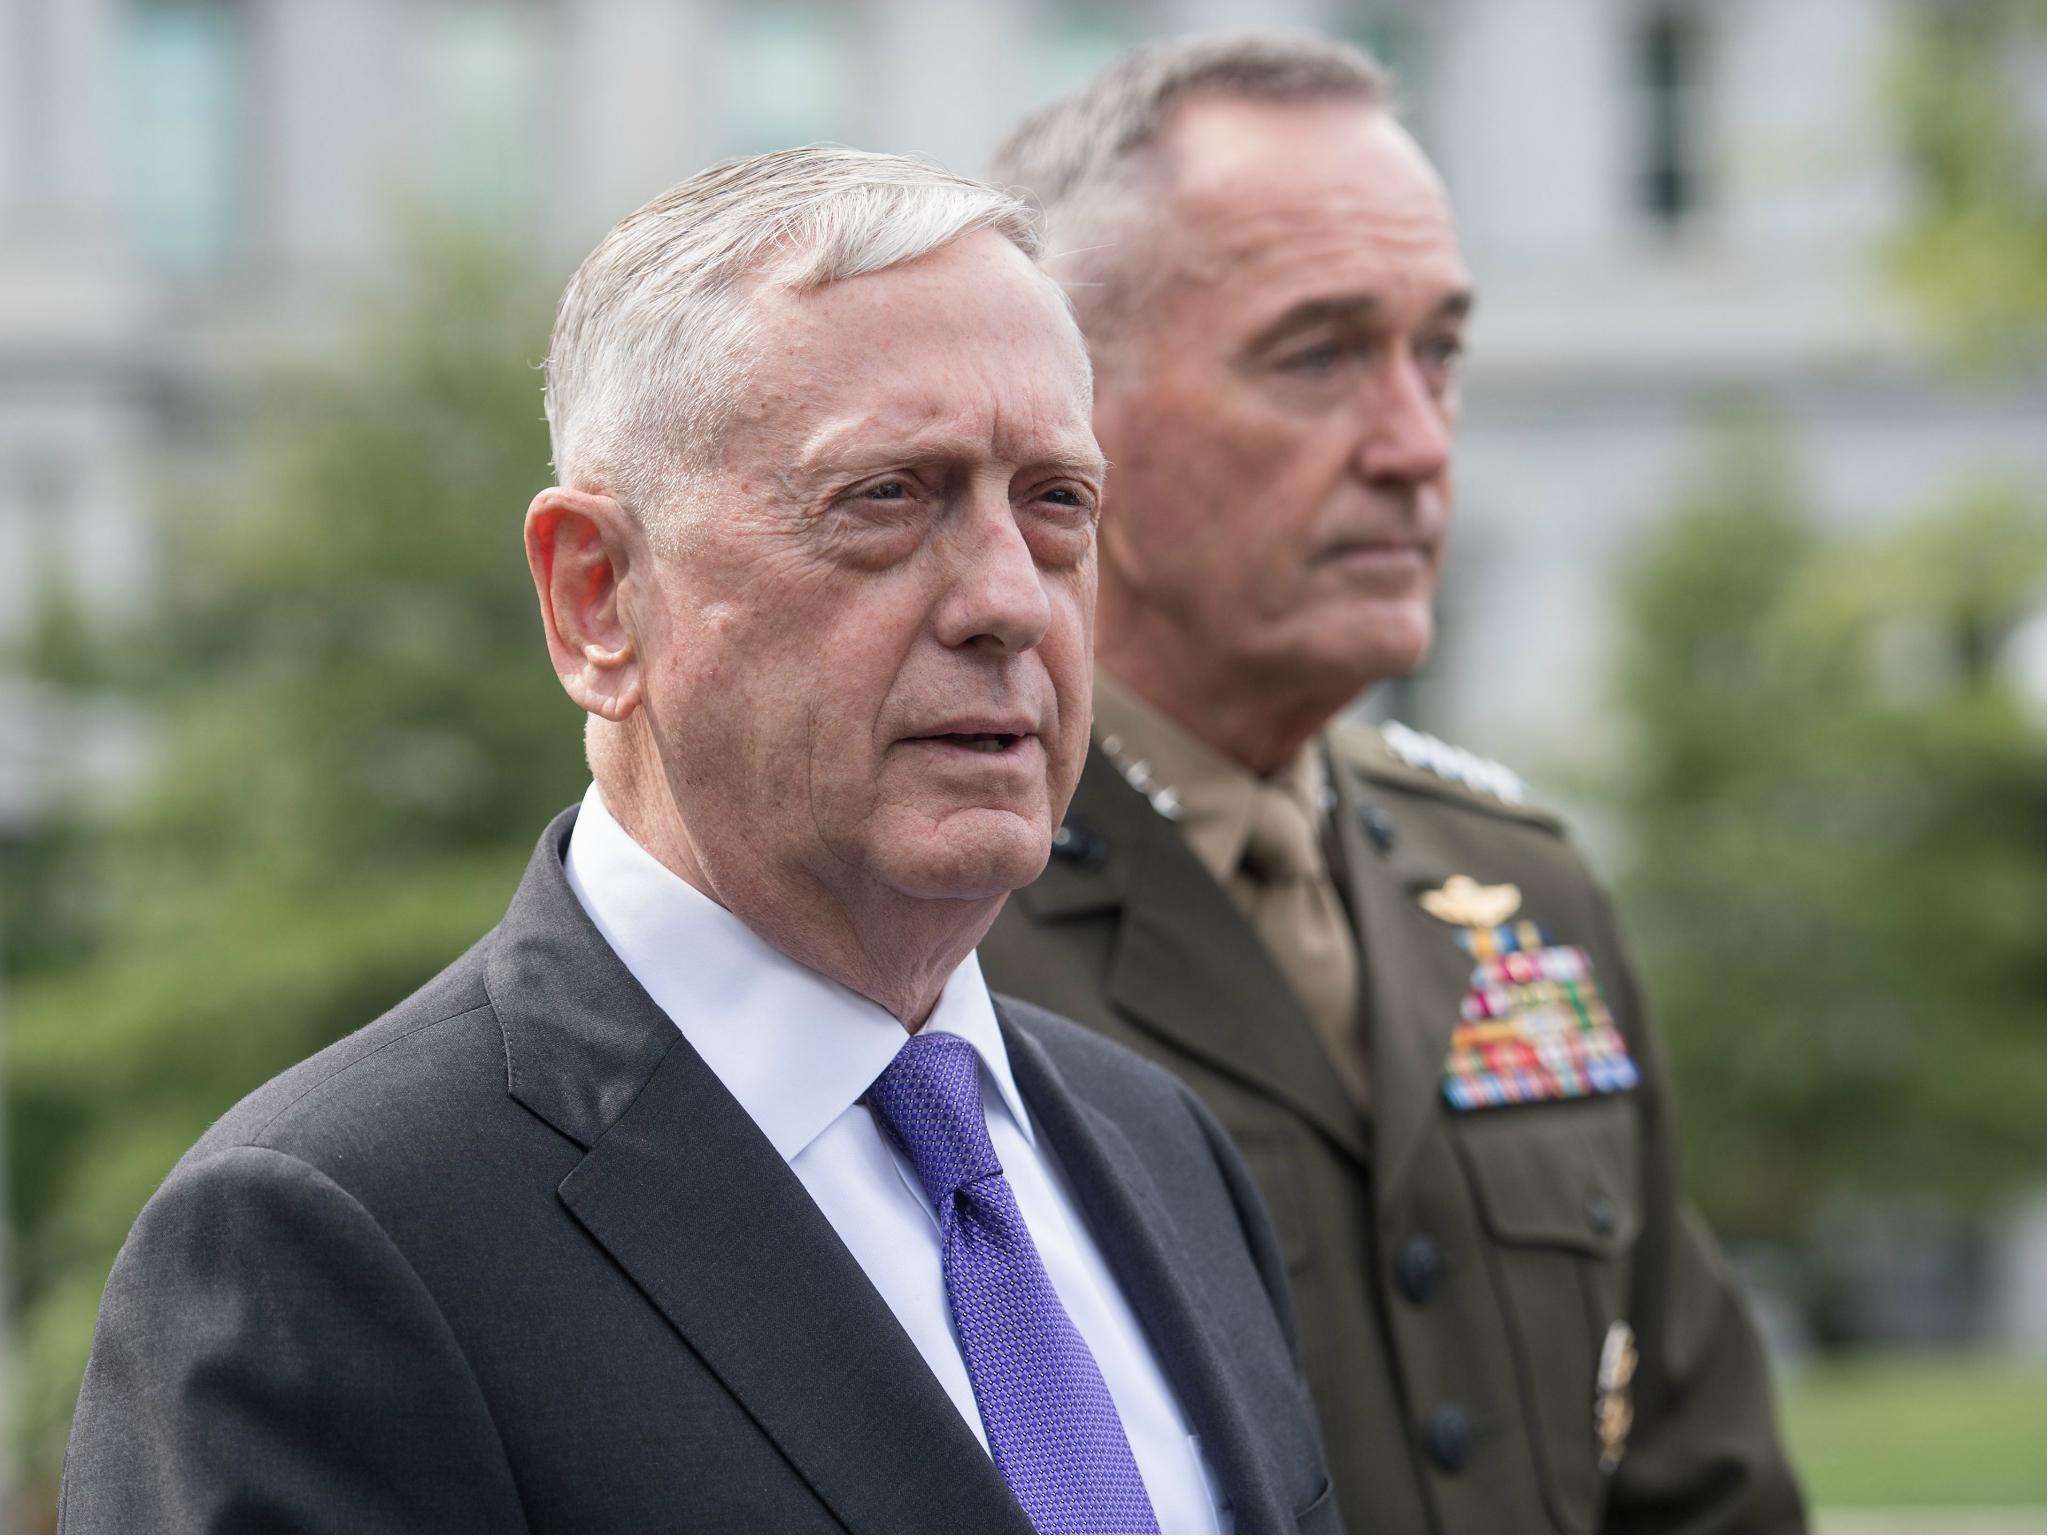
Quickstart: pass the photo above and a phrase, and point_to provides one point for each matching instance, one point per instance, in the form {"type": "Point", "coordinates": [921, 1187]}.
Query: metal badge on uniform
{"type": "Point", "coordinates": [1613, 1409]}
{"type": "Point", "coordinates": [1533, 1026]}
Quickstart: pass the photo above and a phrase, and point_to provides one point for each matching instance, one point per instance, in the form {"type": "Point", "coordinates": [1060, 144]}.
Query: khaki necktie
{"type": "Point", "coordinates": [1293, 907]}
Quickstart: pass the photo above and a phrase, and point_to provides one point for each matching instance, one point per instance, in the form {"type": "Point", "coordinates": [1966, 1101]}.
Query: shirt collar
{"type": "Point", "coordinates": [1215, 794]}
{"type": "Point", "coordinates": [793, 1046]}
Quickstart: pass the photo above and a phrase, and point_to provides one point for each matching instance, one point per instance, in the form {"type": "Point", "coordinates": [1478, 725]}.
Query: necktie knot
{"type": "Point", "coordinates": [929, 1098]}
{"type": "Point", "coordinates": [1280, 842]}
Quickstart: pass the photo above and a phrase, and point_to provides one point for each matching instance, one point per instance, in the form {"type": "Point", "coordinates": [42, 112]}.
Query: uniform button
{"type": "Point", "coordinates": [1379, 827]}
{"type": "Point", "coordinates": [1450, 1437]}
{"type": "Point", "coordinates": [1077, 843]}
{"type": "Point", "coordinates": [1419, 1268]}
{"type": "Point", "coordinates": [1600, 1215]}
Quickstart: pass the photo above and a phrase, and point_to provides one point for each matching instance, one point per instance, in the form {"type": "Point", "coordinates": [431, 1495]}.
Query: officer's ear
{"type": "Point", "coordinates": [579, 545]}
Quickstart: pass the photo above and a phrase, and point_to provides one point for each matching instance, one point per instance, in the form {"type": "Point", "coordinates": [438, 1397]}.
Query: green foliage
{"type": "Point", "coordinates": [1837, 810]}
{"type": "Point", "coordinates": [360, 739]}
{"type": "Point", "coordinates": [1970, 255]}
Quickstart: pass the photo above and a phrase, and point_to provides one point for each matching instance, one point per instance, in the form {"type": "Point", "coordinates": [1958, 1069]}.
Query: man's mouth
{"type": "Point", "coordinates": [1377, 549]}
{"type": "Point", "coordinates": [975, 741]}
{"type": "Point", "coordinates": [998, 737]}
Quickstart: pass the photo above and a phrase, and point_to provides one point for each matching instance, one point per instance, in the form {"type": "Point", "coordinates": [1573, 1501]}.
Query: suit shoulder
{"type": "Point", "coordinates": [443, 1034]}
{"type": "Point", "coordinates": [1399, 757]}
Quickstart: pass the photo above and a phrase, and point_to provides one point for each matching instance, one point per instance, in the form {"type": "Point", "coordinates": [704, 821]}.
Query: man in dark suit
{"type": "Point", "coordinates": [1395, 982]}
{"type": "Point", "coordinates": [711, 1190]}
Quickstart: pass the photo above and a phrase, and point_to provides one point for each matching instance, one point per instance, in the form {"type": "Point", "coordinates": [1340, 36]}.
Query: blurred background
{"type": "Point", "coordinates": [1748, 576]}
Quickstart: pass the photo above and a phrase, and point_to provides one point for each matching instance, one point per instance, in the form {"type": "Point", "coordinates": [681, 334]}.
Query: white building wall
{"type": "Point", "coordinates": [633, 112]}
{"type": "Point", "coordinates": [1598, 336]}
{"type": "Point", "coordinates": [1523, 111]}
{"type": "Point", "coordinates": [329, 147]}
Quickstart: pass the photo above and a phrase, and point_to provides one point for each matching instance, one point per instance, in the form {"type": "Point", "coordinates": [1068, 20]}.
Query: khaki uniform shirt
{"type": "Point", "coordinates": [1216, 801]}
{"type": "Point", "coordinates": [1510, 1319]}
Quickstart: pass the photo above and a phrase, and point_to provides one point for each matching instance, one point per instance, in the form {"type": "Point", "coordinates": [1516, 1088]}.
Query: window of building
{"type": "Point", "coordinates": [1397, 36]}
{"type": "Point", "coordinates": [1391, 33]}
{"type": "Point", "coordinates": [787, 73]}
{"type": "Point", "coordinates": [478, 74]}
{"type": "Point", "coordinates": [187, 155]}
{"type": "Point", "coordinates": [1670, 68]}
{"type": "Point", "coordinates": [1074, 38]}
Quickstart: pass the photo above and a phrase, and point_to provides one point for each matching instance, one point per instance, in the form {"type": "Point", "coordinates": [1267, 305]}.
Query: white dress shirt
{"type": "Point", "coordinates": [798, 1051]}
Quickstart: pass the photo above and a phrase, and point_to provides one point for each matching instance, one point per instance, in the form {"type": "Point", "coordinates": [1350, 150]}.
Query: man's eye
{"type": "Point", "coordinates": [1443, 351]}
{"type": "Point", "coordinates": [1069, 499]}
{"type": "Point", "coordinates": [1320, 358]}
{"type": "Point", "coordinates": [887, 490]}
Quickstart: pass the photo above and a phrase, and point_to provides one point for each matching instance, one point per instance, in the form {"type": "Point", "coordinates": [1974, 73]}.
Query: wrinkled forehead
{"type": "Point", "coordinates": [1335, 184]}
{"type": "Point", "coordinates": [972, 346]}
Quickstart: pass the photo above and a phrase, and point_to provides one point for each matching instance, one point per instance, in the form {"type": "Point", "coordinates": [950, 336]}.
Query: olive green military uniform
{"type": "Point", "coordinates": [1510, 1320]}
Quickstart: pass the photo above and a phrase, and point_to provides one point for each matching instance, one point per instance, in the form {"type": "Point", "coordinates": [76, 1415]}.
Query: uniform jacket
{"type": "Point", "coordinates": [1457, 1273]}
{"type": "Point", "coordinates": [512, 1258]}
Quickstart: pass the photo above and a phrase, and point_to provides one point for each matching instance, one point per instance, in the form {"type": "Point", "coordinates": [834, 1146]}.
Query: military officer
{"type": "Point", "coordinates": [1391, 977]}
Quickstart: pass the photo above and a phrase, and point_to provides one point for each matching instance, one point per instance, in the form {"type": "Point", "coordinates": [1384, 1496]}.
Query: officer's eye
{"type": "Point", "coordinates": [1070, 504]}
{"type": "Point", "coordinates": [1320, 358]}
{"type": "Point", "coordinates": [1443, 351]}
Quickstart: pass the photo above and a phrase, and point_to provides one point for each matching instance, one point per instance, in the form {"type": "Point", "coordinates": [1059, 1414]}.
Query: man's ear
{"type": "Point", "coordinates": [577, 545]}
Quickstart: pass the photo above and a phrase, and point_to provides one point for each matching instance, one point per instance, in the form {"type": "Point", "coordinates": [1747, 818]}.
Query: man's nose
{"type": "Point", "coordinates": [996, 592]}
{"type": "Point", "coordinates": [1407, 427]}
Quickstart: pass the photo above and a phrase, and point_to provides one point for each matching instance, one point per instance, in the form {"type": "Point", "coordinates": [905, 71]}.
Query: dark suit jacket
{"type": "Point", "coordinates": [513, 1258]}
{"type": "Point", "coordinates": [1455, 1273]}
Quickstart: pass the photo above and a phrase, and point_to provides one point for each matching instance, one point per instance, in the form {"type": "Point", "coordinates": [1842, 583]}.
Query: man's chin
{"type": "Point", "coordinates": [979, 854]}
{"type": "Point", "coordinates": [1369, 644]}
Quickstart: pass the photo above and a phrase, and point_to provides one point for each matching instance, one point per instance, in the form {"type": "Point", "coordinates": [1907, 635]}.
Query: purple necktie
{"type": "Point", "coordinates": [1052, 1425]}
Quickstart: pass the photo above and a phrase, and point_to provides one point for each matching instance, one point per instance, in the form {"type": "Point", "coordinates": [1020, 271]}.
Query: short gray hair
{"type": "Point", "coordinates": [1081, 157]}
{"type": "Point", "coordinates": [649, 356]}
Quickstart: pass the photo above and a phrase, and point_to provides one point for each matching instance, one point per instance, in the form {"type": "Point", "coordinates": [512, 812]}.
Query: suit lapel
{"type": "Point", "coordinates": [697, 1206]}
{"type": "Point", "coordinates": [693, 1202]}
{"type": "Point", "coordinates": [1416, 977]}
{"type": "Point", "coordinates": [1131, 1226]}
{"type": "Point", "coordinates": [1188, 968]}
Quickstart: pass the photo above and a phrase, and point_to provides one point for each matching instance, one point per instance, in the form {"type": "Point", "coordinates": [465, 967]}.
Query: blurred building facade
{"type": "Point", "coordinates": [1663, 201]}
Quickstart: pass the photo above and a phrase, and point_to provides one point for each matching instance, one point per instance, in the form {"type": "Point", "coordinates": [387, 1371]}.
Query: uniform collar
{"type": "Point", "coordinates": [793, 1046]}
{"type": "Point", "coordinates": [1211, 795]}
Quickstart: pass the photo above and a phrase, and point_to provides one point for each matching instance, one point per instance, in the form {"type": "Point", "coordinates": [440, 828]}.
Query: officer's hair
{"type": "Point", "coordinates": [650, 355]}
{"type": "Point", "coordinates": [1088, 160]}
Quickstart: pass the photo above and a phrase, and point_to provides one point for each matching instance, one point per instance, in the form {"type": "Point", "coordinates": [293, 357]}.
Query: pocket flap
{"type": "Point", "coordinates": [1556, 1175]}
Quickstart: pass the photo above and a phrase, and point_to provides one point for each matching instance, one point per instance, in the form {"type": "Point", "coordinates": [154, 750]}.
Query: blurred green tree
{"type": "Point", "coordinates": [1836, 805]}
{"type": "Point", "coordinates": [360, 738]}
{"type": "Point", "coordinates": [1836, 798]}
{"type": "Point", "coordinates": [1969, 254]}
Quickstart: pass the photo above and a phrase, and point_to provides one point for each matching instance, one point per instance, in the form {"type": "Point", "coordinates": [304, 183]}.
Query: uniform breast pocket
{"type": "Point", "coordinates": [1559, 1189]}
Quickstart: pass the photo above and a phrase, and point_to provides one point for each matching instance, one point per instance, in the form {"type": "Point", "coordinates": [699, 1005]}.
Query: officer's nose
{"type": "Point", "coordinates": [996, 594]}
{"type": "Point", "coordinates": [1407, 426]}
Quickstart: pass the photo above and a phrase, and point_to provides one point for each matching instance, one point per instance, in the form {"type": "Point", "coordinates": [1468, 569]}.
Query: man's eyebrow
{"type": "Point", "coordinates": [1455, 305]}
{"type": "Point", "coordinates": [842, 451]}
{"type": "Point", "coordinates": [1351, 307]}
{"type": "Point", "coordinates": [1312, 312]}
{"type": "Point", "coordinates": [1080, 455]}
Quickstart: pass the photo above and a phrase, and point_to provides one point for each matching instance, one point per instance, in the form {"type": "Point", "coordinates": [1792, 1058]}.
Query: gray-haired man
{"type": "Point", "coordinates": [711, 1190]}
{"type": "Point", "coordinates": [1395, 983]}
